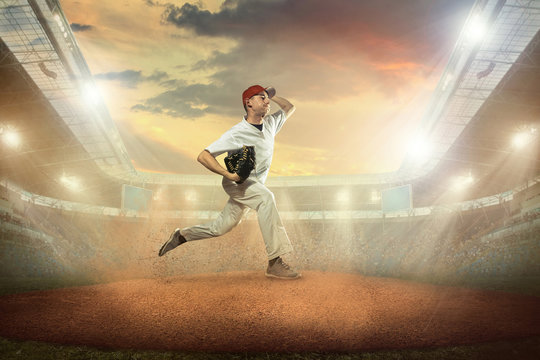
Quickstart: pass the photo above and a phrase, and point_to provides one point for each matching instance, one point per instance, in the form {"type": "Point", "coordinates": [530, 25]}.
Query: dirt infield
{"type": "Point", "coordinates": [245, 312]}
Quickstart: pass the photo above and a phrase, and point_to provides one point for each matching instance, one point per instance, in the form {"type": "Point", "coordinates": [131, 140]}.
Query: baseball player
{"type": "Point", "coordinates": [256, 130]}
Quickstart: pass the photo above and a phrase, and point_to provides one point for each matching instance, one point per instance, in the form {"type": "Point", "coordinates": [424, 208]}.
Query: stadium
{"type": "Point", "coordinates": [438, 258]}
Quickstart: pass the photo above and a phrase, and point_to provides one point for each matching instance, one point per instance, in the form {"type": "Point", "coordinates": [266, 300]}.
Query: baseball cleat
{"type": "Point", "coordinates": [176, 239]}
{"type": "Point", "coordinates": [280, 270]}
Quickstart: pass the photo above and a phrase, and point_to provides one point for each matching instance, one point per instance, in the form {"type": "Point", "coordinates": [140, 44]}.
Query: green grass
{"type": "Point", "coordinates": [523, 349]}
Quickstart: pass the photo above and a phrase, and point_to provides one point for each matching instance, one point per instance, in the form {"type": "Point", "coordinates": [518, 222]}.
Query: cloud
{"type": "Point", "coordinates": [383, 29]}
{"type": "Point", "coordinates": [157, 76]}
{"type": "Point", "coordinates": [75, 27]}
{"type": "Point", "coordinates": [192, 101]}
{"type": "Point", "coordinates": [314, 50]}
{"type": "Point", "coordinates": [131, 78]}
{"type": "Point", "coordinates": [152, 3]}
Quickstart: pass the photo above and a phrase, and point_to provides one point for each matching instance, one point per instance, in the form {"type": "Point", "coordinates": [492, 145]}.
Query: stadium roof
{"type": "Point", "coordinates": [488, 91]}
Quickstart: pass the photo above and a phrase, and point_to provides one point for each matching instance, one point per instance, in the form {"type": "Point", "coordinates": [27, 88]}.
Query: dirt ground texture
{"type": "Point", "coordinates": [246, 312]}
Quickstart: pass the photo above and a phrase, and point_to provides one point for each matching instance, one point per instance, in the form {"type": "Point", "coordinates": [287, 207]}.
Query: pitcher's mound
{"type": "Point", "coordinates": [246, 312]}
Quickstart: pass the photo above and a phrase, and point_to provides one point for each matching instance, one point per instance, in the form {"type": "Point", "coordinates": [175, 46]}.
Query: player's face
{"type": "Point", "coordinates": [260, 103]}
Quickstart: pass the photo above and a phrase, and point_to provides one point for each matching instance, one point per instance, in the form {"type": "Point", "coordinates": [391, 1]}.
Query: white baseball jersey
{"type": "Point", "coordinates": [244, 133]}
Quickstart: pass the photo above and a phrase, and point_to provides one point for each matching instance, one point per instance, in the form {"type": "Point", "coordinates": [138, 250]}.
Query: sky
{"type": "Point", "coordinates": [360, 73]}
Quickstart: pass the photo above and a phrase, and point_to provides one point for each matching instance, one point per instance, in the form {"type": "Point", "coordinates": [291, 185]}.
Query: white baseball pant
{"type": "Point", "coordinates": [250, 194]}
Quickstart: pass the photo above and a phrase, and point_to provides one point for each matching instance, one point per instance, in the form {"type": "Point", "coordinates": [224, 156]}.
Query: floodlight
{"type": "Point", "coordinates": [462, 182]}
{"type": "Point", "coordinates": [476, 29]}
{"type": "Point", "coordinates": [91, 93]}
{"type": "Point", "coordinates": [11, 138]}
{"type": "Point", "coordinates": [521, 139]}
{"type": "Point", "coordinates": [420, 149]}
{"type": "Point", "coordinates": [375, 196]}
{"type": "Point", "coordinates": [71, 182]}
{"type": "Point", "coordinates": [157, 194]}
{"type": "Point", "coordinates": [191, 195]}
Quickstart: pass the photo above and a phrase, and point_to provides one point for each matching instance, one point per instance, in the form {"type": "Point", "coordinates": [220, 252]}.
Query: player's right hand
{"type": "Point", "coordinates": [233, 177]}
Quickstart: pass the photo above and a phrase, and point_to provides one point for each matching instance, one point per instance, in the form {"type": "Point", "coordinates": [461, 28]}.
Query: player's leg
{"type": "Point", "coordinates": [256, 196]}
{"type": "Point", "coordinates": [229, 217]}
{"type": "Point", "coordinates": [226, 220]}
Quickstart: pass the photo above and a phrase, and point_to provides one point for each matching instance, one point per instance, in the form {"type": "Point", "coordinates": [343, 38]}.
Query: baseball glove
{"type": "Point", "coordinates": [241, 163]}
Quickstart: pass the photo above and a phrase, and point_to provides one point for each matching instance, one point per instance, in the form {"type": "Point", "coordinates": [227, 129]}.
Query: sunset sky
{"type": "Point", "coordinates": [360, 73]}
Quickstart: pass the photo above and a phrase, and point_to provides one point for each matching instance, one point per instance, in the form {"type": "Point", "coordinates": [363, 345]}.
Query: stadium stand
{"type": "Point", "coordinates": [451, 247]}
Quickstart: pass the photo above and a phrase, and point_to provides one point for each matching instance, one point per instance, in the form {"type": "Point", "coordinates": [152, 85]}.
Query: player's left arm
{"type": "Point", "coordinates": [283, 103]}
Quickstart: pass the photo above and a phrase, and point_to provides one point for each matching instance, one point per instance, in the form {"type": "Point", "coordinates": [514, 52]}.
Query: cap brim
{"type": "Point", "coordinates": [270, 91]}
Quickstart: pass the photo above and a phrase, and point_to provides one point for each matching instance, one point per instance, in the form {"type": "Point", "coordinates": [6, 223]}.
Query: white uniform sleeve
{"type": "Point", "coordinates": [225, 143]}
{"type": "Point", "coordinates": [276, 120]}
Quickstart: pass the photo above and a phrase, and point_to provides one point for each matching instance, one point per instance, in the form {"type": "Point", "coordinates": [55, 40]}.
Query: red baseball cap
{"type": "Point", "coordinates": [251, 91]}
